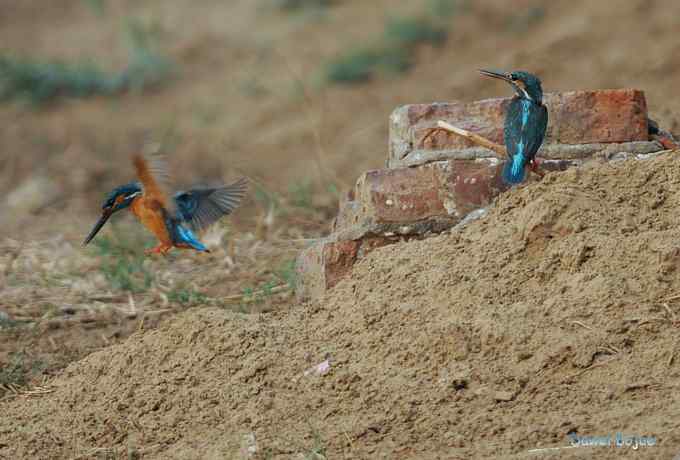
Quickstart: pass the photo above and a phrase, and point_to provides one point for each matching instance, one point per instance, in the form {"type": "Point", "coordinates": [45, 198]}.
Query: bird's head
{"type": "Point", "coordinates": [119, 198]}
{"type": "Point", "coordinates": [525, 84]}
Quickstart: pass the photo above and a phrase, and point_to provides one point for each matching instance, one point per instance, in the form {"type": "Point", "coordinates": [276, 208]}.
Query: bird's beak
{"type": "Point", "coordinates": [499, 75]}
{"type": "Point", "coordinates": [106, 213]}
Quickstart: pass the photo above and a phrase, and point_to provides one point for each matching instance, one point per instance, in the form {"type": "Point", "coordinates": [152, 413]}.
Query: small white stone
{"type": "Point", "coordinates": [450, 206]}
{"type": "Point", "coordinates": [389, 203]}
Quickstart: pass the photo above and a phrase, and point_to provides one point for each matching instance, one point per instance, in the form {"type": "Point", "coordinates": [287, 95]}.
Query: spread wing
{"type": "Point", "coordinates": [152, 172]}
{"type": "Point", "coordinates": [201, 208]}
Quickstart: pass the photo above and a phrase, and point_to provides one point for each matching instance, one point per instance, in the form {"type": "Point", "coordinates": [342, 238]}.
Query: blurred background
{"type": "Point", "coordinates": [294, 94]}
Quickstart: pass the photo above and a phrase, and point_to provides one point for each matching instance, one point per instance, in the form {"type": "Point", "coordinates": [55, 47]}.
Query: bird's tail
{"type": "Point", "coordinates": [513, 171]}
{"type": "Point", "coordinates": [186, 236]}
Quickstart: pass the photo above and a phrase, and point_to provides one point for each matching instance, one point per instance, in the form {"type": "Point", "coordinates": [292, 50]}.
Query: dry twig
{"type": "Point", "coordinates": [579, 323]}
{"type": "Point", "coordinates": [254, 296]}
{"type": "Point", "coordinates": [589, 368]}
{"type": "Point", "coordinates": [499, 150]}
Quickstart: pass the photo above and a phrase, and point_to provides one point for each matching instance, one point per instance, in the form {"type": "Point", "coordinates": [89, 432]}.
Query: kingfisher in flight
{"type": "Point", "coordinates": [175, 220]}
{"type": "Point", "coordinates": [525, 123]}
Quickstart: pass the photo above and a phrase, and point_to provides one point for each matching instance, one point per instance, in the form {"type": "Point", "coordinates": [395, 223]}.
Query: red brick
{"type": "Point", "coordinates": [583, 117]}
{"type": "Point", "coordinates": [322, 265]}
{"type": "Point", "coordinates": [430, 197]}
{"type": "Point", "coordinates": [577, 117]}
{"type": "Point", "coordinates": [348, 212]}
{"type": "Point", "coordinates": [400, 195]}
{"type": "Point", "coordinates": [391, 205]}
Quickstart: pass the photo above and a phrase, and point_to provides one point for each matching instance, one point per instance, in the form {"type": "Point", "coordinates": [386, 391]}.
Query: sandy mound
{"type": "Point", "coordinates": [551, 315]}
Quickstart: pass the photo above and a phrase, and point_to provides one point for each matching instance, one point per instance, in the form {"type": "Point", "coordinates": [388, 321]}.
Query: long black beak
{"type": "Point", "coordinates": [494, 74]}
{"type": "Point", "coordinates": [98, 226]}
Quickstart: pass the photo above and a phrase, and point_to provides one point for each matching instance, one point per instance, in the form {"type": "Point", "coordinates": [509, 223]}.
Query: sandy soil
{"type": "Point", "coordinates": [556, 313]}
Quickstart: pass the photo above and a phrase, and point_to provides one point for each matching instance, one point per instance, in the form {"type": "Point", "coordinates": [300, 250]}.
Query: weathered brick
{"type": "Point", "coordinates": [549, 152]}
{"type": "Point", "coordinates": [391, 205]}
{"type": "Point", "coordinates": [310, 271]}
{"type": "Point", "coordinates": [322, 265]}
{"type": "Point", "coordinates": [449, 178]}
{"type": "Point", "coordinates": [418, 200]}
{"type": "Point", "coordinates": [577, 117]}
{"type": "Point", "coordinates": [400, 195]}
{"type": "Point", "coordinates": [348, 211]}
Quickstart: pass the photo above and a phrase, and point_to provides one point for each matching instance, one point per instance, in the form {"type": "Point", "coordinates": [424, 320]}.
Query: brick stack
{"type": "Point", "coordinates": [431, 184]}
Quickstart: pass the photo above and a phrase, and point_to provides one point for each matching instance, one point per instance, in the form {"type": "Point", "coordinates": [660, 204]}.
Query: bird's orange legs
{"type": "Point", "coordinates": [161, 248]}
{"type": "Point", "coordinates": [534, 165]}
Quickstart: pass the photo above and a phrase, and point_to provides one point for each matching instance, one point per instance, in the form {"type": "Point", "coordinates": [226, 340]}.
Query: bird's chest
{"type": "Point", "coordinates": [150, 214]}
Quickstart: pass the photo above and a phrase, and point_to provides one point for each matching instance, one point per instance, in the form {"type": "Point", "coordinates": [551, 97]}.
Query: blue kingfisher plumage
{"type": "Point", "coordinates": [525, 123]}
{"type": "Point", "coordinates": [175, 219]}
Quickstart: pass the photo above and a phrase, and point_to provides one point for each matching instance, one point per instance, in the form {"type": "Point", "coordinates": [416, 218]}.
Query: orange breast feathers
{"type": "Point", "coordinates": [150, 214]}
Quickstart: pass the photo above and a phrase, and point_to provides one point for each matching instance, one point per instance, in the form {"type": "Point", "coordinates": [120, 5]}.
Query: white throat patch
{"type": "Point", "coordinates": [526, 95]}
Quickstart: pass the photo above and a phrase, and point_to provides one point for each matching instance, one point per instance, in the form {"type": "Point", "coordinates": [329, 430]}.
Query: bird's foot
{"type": "Point", "coordinates": [534, 165]}
{"type": "Point", "coordinates": [667, 142]}
{"type": "Point", "coordinates": [159, 249]}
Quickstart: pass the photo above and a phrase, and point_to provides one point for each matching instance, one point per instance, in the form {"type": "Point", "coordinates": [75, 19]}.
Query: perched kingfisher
{"type": "Point", "coordinates": [174, 220]}
{"type": "Point", "coordinates": [525, 123]}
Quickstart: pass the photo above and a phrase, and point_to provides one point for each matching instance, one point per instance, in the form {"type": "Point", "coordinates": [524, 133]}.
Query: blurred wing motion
{"type": "Point", "coordinates": [201, 208]}
{"type": "Point", "coordinates": [152, 172]}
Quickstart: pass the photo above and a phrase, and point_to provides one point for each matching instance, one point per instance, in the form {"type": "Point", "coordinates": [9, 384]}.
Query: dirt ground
{"type": "Point", "coordinates": [556, 313]}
